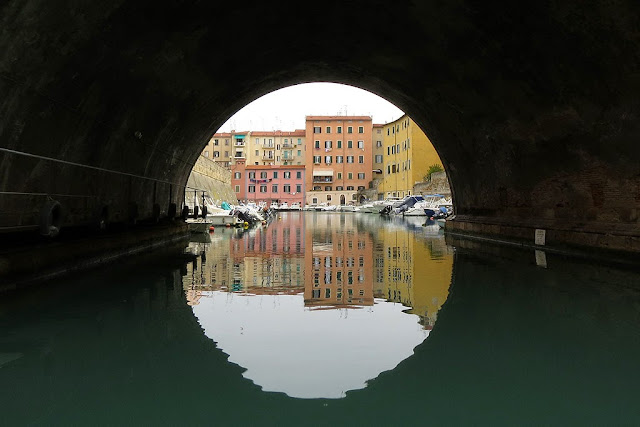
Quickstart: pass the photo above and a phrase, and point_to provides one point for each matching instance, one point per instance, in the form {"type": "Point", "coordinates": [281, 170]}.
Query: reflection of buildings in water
{"type": "Point", "coordinates": [414, 270]}
{"type": "Point", "coordinates": [339, 264]}
{"type": "Point", "coordinates": [265, 260]}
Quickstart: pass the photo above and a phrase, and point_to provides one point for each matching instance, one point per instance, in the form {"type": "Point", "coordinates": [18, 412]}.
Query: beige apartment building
{"type": "Point", "coordinates": [338, 158]}
{"type": "Point", "coordinates": [275, 147]}
{"type": "Point", "coordinates": [257, 147]}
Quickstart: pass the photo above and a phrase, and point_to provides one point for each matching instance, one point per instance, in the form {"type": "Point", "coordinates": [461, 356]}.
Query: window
{"type": "Point", "coordinates": [349, 144]}
{"type": "Point", "coordinates": [327, 293]}
{"type": "Point", "coordinates": [388, 151]}
{"type": "Point", "coordinates": [360, 187]}
{"type": "Point", "coordinates": [215, 142]}
{"type": "Point", "coordinates": [275, 174]}
{"type": "Point", "coordinates": [327, 188]}
{"type": "Point", "coordinates": [263, 188]}
{"type": "Point", "coordinates": [299, 174]}
{"type": "Point", "coordinates": [339, 144]}
{"type": "Point", "coordinates": [216, 154]}
{"type": "Point", "coordinates": [360, 129]}
{"type": "Point", "coordinates": [252, 175]}
{"type": "Point", "coordinates": [299, 153]}
{"type": "Point", "coordinates": [327, 144]}
{"type": "Point", "coordinates": [339, 188]}
{"type": "Point", "coordinates": [378, 158]}
{"type": "Point", "coordinates": [339, 159]}
{"type": "Point", "coordinates": [327, 159]}
{"type": "Point", "coordinates": [349, 159]}
{"type": "Point", "coordinates": [388, 132]}
{"type": "Point", "coordinates": [317, 159]}
{"type": "Point", "coordinates": [328, 197]}
{"type": "Point", "coordinates": [237, 189]}
{"type": "Point", "coordinates": [226, 142]}
{"type": "Point", "coordinates": [317, 144]}
{"type": "Point", "coordinates": [237, 175]}
{"type": "Point", "coordinates": [317, 188]}
{"type": "Point", "coordinates": [287, 188]}
{"type": "Point", "coordinates": [206, 153]}
{"type": "Point", "coordinates": [252, 189]}
{"type": "Point", "coordinates": [378, 144]}
{"type": "Point", "coordinates": [317, 129]}
{"type": "Point", "coordinates": [360, 159]}
{"type": "Point", "coordinates": [299, 140]}
{"type": "Point", "coordinates": [314, 200]}
{"type": "Point", "coordinates": [350, 175]}
{"type": "Point", "coordinates": [360, 175]}
{"type": "Point", "coordinates": [328, 129]}
{"type": "Point", "coordinates": [257, 141]}
{"type": "Point", "coordinates": [257, 152]}
{"type": "Point", "coordinates": [263, 175]}
{"type": "Point", "coordinates": [350, 129]}
{"type": "Point", "coordinates": [388, 169]}
{"type": "Point", "coordinates": [298, 188]}
{"type": "Point", "coordinates": [287, 175]}
{"type": "Point", "coordinates": [349, 187]}
{"type": "Point", "coordinates": [274, 188]}
{"type": "Point", "coordinates": [361, 144]}
{"type": "Point", "coordinates": [339, 129]}
{"type": "Point", "coordinates": [226, 154]}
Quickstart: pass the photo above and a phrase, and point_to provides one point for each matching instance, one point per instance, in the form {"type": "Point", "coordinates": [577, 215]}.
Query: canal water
{"type": "Point", "coordinates": [327, 319]}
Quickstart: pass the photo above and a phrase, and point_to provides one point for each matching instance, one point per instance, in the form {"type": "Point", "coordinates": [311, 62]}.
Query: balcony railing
{"type": "Point", "coordinates": [322, 179]}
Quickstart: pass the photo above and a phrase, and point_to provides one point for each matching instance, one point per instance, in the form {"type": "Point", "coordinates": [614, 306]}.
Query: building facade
{"type": "Point", "coordinates": [275, 148]}
{"type": "Point", "coordinates": [268, 183]}
{"type": "Point", "coordinates": [407, 155]}
{"type": "Point", "coordinates": [338, 158]}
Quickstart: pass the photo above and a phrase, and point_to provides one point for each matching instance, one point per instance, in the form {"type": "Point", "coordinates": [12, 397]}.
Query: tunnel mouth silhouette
{"type": "Point", "coordinates": [534, 118]}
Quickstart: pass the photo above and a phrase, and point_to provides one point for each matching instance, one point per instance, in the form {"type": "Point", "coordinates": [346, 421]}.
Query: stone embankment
{"type": "Point", "coordinates": [214, 179]}
{"type": "Point", "coordinates": [439, 184]}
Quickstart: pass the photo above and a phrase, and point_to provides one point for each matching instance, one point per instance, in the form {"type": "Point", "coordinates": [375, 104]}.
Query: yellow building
{"type": "Point", "coordinates": [407, 155]}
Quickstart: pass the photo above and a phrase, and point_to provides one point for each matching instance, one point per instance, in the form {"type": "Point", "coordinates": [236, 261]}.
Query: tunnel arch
{"type": "Point", "coordinates": [531, 107]}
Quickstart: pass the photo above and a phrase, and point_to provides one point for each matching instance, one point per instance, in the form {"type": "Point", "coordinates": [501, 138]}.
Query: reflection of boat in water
{"type": "Point", "coordinates": [198, 225]}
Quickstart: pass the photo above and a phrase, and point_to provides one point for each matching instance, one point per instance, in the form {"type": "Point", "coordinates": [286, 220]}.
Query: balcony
{"type": "Point", "coordinates": [269, 158]}
{"type": "Point", "coordinates": [322, 179]}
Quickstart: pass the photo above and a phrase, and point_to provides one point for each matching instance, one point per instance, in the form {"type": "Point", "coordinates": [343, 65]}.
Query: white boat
{"type": "Point", "coordinates": [295, 206]}
{"type": "Point", "coordinates": [378, 205]}
{"type": "Point", "coordinates": [348, 208]}
{"type": "Point", "coordinates": [284, 206]}
{"type": "Point", "coordinates": [330, 208]}
{"type": "Point", "coordinates": [274, 205]}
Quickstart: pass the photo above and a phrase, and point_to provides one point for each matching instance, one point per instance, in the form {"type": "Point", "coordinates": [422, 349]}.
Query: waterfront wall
{"type": "Point", "coordinates": [439, 184]}
{"type": "Point", "coordinates": [214, 179]}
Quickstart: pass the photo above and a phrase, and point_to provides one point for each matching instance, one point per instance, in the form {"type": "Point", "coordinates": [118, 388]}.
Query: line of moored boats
{"type": "Point", "coordinates": [206, 214]}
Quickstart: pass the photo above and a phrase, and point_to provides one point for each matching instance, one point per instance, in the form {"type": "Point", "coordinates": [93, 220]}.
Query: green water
{"type": "Point", "coordinates": [240, 330]}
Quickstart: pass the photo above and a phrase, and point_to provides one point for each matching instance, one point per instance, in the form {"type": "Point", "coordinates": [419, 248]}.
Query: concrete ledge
{"type": "Point", "coordinates": [621, 244]}
{"type": "Point", "coordinates": [30, 264]}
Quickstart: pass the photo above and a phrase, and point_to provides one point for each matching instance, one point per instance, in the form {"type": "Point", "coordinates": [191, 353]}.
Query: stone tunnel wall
{"type": "Point", "coordinates": [108, 106]}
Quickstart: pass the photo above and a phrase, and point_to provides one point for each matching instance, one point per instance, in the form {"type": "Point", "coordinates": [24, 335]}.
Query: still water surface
{"type": "Point", "coordinates": [326, 318]}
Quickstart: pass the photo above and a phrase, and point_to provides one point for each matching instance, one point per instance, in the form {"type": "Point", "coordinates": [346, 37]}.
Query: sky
{"type": "Point", "coordinates": [285, 109]}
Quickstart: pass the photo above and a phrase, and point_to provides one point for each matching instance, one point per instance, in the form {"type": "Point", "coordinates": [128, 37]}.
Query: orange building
{"type": "Point", "coordinates": [338, 158]}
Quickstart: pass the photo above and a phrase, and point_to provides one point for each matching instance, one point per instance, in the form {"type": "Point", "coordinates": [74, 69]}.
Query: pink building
{"type": "Point", "coordinates": [268, 183]}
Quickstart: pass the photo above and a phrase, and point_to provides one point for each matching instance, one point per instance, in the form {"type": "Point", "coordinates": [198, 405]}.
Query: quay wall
{"type": "Point", "coordinates": [214, 179]}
